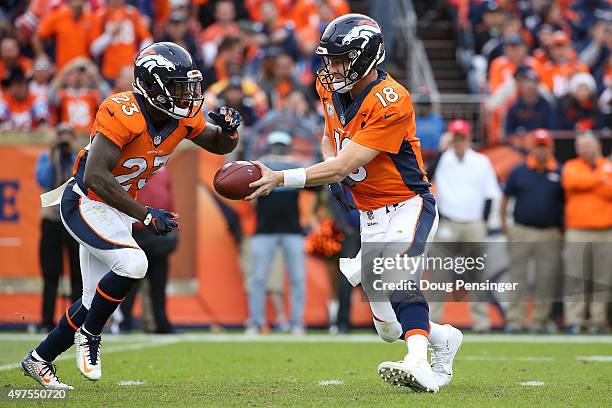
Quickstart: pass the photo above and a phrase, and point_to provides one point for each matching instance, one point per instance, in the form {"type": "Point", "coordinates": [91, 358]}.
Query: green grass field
{"type": "Point", "coordinates": [277, 370]}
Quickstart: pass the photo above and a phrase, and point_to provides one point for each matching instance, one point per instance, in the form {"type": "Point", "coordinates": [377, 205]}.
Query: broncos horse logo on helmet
{"type": "Point", "coordinates": [166, 75]}
{"type": "Point", "coordinates": [357, 40]}
{"type": "Point", "coordinates": [150, 61]}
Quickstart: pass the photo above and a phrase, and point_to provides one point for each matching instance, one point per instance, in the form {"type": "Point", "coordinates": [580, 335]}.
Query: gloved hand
{"type": "Point", "coordinates": [228, 119]}
{"type": "Point", "coordinates": [160, 221]}
{"type": "Point", "coordinates": [337, 190]}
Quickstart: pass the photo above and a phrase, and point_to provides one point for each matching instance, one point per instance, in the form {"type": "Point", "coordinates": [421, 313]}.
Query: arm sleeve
{"type": "Point", "coordinates": [198, 124]}
{"type": "Point", "coordinates": [47, 27]}
{"type": "Point", "coordinates": [44, 171]}
{"type": "Point", "coordinates": [492, 189]}
{"type": "Point", "coordinates": [511, 185]}
{"type": "Point", "coordinates": [108, 123]}
{"type": "Point", "coordinates": [388, 127]}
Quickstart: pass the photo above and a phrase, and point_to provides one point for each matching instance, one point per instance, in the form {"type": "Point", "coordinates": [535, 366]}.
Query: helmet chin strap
{"type": "Point", "coordinates": [343, 88]}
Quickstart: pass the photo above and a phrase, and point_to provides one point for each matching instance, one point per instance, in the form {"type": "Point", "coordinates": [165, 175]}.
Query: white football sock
{"type": "Point", "coordinates": [36, 356]}
{"type": "Point", "coordinates": [417, 347]}
{"type": "Point", "coordinates": [438, 333]}
{"type": "Point", "coordinates": [383, 311]}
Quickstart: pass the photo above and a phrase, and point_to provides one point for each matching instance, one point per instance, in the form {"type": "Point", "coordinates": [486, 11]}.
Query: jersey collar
{"type": "Point", "coordinates": [347, 113]}
{"type": "Point", "coordinates": [158, 135]}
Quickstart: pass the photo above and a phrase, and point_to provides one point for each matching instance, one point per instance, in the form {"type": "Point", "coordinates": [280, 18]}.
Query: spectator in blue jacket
{"type": "Point", "coordinates": [53, 168]}
{"type": "Point", "coordinates": [530, 111]}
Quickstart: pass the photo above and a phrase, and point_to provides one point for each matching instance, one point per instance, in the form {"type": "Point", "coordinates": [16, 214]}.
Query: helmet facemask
{"type": "Point", "coordinates": [351, 73]}
{"type": "Point", "coordinates": [337, 73]}
{"type": "Point", "coordinates": [178, 97]}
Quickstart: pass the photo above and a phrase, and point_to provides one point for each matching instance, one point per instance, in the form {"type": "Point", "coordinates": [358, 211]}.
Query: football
{"type": "Point", "coordinates": [232, 180]}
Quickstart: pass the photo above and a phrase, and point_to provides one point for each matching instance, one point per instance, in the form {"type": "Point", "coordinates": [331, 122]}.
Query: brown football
{"type": "Point", "coordinates": [232, 180]}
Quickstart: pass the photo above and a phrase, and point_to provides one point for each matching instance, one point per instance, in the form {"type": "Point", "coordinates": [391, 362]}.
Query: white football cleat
{"type": "Point", "coordinates": [415, 374]}
{"type": "Point", "coordinates": [88, 354]}
{"type": "Point", "coordinates": [43, 372]}
{"type": "Point", "coordinates": [442, 356]}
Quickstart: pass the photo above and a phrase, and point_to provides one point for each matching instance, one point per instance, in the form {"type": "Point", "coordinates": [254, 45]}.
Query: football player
{"type": "Point", "coordinates": [370, 143]}
{"type": "Point", "coordinates": [132, 137]}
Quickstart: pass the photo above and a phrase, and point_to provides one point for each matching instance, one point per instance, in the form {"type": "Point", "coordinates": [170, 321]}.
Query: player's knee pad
{"type": "Point", "coordinates": [132, 263]}
{"type": "Point", "coordinates": [388, 331]}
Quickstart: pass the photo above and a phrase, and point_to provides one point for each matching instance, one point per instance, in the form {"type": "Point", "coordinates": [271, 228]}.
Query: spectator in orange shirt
{"type": "Point", "coordinates": [70, 28]}
{"type": "Point", "coordinates": [563, 64]}
{"type": "Point", "coordinates": [42, 74]}
{"type": "Point", "coordinates": [19, 109]}
{"type": "Point", "coordinates": [545, 39]}
{"type": "Point", "coordinates": [502, 84]}
{"type": "Point", "coordinates": [231, 50]}
{"type": "Point", "coordinates": [224, 25]}
{"type": "Point", "coordinates": [283, 82]}
{"type": "Point", "coordinates": [76, 93]}
{"type": "Point", "coordinates": [119, 32]}
{"type": "Point", "coordinates": [10, 58]}
{"type": "Point", "coordinates": [587, 181]}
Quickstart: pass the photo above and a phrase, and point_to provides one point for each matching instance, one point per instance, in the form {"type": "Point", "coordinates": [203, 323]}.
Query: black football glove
{"type": "Point", "coordinates": [159, 221]}
{"type": "Point", "coordinates": [337, 190]}
{"type": "Point", "coordinates": [228, 119]}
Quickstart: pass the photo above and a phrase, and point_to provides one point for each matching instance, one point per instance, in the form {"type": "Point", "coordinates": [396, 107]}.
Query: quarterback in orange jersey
{"type": "Point", "coordinates": [370, 144]}
{"type": "Point", "coordinates": [132, 137]}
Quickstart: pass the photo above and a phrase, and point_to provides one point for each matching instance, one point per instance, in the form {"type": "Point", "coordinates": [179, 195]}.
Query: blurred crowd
{"type": "Point", "coordinates": [541, 63]}
{"type": "Point", "coordinates": [59, 59]}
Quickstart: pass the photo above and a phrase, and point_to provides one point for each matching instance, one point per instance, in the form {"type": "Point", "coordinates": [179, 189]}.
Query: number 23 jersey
{"type": "Point", "coordinates": [381, 118]}
{"type": "Point", "coordinates": [144, 149]}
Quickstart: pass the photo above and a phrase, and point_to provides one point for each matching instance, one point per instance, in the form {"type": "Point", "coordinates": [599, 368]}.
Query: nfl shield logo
{"type": "Point", "coordinates": [157, 140]}
{"type": "Point", "coordinates": [330, 109]}
{"type": "Point", "coordinates": [370, 215]}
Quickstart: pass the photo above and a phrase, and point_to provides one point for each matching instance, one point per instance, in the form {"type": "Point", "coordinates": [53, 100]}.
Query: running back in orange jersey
{"type": "Point", "coordinates": [144, 150]}
{"type": "Point", "coordinates": [381, 118]}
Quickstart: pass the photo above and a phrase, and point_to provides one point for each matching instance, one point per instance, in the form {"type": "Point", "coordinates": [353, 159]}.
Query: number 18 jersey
{"type": "Point", "coordinates": [144, 149]}
{"type": "Point", "coordinates": [381, 118]}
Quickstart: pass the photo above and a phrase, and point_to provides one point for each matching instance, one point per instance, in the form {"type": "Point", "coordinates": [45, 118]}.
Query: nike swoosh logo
{"type": "Point", "coordinates": [85, 369]}
{"type": "Point", "coordinates": [110, 112]}
{"type": "Point", "coordinates": [388, 116]}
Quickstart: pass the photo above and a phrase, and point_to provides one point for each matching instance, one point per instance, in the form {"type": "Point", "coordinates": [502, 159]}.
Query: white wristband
{"type": "Point", "coordinates": [294, 178]}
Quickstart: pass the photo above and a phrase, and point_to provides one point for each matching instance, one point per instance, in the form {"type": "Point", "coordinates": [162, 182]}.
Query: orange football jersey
{"type": "Point", "coordinates": [78, 107]}
{"type": "Point", "coordinates": [381, 118]}
{"type": "Point", "coordinates": [144, 150]}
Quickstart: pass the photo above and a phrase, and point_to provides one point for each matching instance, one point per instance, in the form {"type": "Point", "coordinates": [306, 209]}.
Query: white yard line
{"type": "Point", "coordinates": [600, 359]}
{"type": "Point", "coordinates": [331, 382]}
{"type": "Point", "coordinates": [532, 383]}
{"type": "Point", "coordinates": [505, 358]}
{"type": "Point", "coordinates": [131, 382]}
{"type": "Point", "coordinates": [316, 338]}
{"type": "Point", "coordinates": [69, 355]}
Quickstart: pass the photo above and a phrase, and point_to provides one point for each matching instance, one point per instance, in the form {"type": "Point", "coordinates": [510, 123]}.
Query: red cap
{"type": "Point", "coordinates": [460, 126]}
{"type": "Point", "coordinates": [542, 137]}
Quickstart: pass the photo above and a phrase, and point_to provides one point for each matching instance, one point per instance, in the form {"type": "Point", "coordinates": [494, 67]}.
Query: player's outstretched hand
{"type": "Point", "coordinates": [268, 181]}
{"type": "Point", "coordinates": [160, 221]}
{"type": "Point", "coordinates": [228, 119]}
